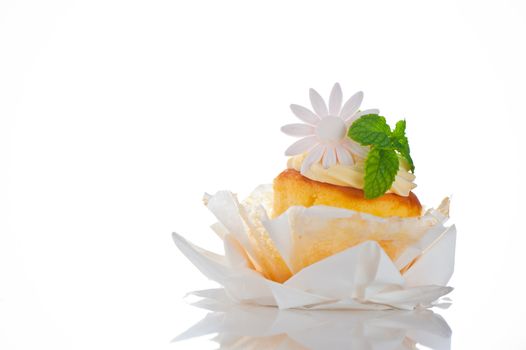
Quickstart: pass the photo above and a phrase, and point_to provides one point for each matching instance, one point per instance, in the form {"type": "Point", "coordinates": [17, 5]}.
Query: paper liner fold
{"type": "Point", "coordinates": [359, 277]}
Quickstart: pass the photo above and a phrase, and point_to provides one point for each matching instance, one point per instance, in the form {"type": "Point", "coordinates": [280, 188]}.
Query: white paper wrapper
{"type": "Point", "coordinates": [361, 277]}
{"type": "Point", "coordinates": [251, 327]}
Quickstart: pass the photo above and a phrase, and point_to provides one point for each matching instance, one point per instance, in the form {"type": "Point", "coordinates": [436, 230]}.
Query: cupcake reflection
{"type": "Point", "coordinates": [256, 327]}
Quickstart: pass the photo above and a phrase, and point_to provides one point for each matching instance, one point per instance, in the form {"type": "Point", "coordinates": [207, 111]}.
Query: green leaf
{"type": "Point", "coordinates": [399, 130]}
{"type": "Point", "coordinates": [401, 144]}
{"type": "Point", "coordinates": [371, 129]}
{"type": "Point", "coordinates": [381, 167]}
{"type": "Point", "coordinates": [388, 148]}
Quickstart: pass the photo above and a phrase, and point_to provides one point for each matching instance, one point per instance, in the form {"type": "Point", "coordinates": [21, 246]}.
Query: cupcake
{"type": "Point", "coordinates": [340, 227]}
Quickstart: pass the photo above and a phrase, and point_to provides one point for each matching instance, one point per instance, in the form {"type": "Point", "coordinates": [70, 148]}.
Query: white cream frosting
{"type": "Point", "coordinates": [352, 175]}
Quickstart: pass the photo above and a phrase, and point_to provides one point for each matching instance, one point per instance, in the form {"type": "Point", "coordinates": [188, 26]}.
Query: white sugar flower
{"type": "Point", "coordinates": [324, 134]}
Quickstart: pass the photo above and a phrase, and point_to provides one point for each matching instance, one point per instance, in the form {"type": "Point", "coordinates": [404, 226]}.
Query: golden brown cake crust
{"type": "Point", "coordinates": [291, 188]}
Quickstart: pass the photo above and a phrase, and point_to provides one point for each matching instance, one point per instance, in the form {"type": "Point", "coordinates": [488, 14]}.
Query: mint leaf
{"type": "Point", "coordinates": [399, 130]}
{"type": "Point", "coordinates": [401, 144]}
{"type": "Point", "coordinates": [371, 129]}
{"type": "Point", "coordinates": [383, 161]}
{"type": "Point", "coordinates": [381, 167]}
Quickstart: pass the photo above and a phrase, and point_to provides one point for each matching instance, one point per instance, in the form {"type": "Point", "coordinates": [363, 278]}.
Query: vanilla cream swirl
{"type": "Point", "coordinates": [352, 175]}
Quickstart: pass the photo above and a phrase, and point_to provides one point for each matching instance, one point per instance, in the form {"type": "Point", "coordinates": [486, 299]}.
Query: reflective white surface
{"type": "Point", "coordinates": [116, 116]}
{"type": "Point", "coordinates": [257, 327]}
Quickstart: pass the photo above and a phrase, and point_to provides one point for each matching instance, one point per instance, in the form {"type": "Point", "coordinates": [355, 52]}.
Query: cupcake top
{"type": "Point", "coordinates": [346, 146]}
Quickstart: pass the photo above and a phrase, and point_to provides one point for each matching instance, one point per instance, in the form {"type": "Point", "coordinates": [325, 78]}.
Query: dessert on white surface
{"type": "Point", "coordinates": [340, 228]}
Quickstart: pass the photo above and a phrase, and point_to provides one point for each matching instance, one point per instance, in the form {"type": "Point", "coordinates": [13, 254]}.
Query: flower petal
{"type": "Point", "coordinates": [298, 129]}
{"type": "Point", "coordinates": [314, 156]}
{"type": "Point", "coordinates": [329, 159]}
{"type": "Point", "coordinates": [352, 105]}
{"type": "Point", "coordinates": [318, 104]}
{"type": "Point", "coordinates": [356, 148]}
{"type": "Point", "coordinates": [305, 114]}
{"type": "Point", "coordinates": [344, 156]}
{"type": "Point", "coordinates": [368, 111]}
{"type": "Point", "coordinates": [335, 100]}
{"type": "Point", "coordinates": [301, 146]}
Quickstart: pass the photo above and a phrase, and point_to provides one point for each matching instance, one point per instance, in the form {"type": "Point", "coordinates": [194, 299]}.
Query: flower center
{"type": "Point", "coordinates": [331, 129]}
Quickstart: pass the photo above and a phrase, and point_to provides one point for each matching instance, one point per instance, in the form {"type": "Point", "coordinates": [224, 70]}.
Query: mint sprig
{"type": "Point", "coordinates": [382, 162]}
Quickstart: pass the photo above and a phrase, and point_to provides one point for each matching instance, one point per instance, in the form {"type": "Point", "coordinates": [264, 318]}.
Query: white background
{"type": "Point", "coordinates": [116, 116]}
